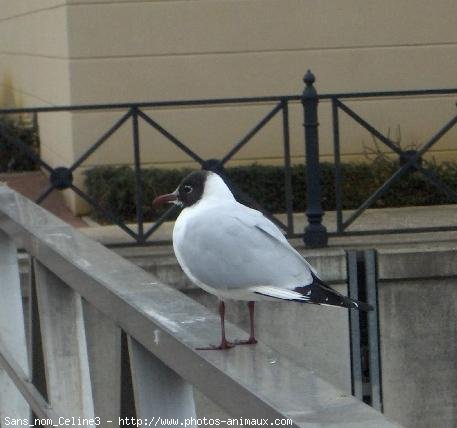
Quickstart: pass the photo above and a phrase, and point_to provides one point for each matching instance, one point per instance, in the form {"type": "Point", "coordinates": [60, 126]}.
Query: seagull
{"type": "Point", "coordinates": [235, 252]}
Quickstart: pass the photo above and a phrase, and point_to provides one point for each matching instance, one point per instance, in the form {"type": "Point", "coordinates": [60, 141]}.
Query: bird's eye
{"type": "Point", "coordinates": [187, 189]}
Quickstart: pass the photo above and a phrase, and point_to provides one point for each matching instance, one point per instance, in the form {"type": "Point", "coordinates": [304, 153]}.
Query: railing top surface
{"type": "Point", "coordinates": [228, 101]}
{"type": "Point", "coordinates": [245, 381]}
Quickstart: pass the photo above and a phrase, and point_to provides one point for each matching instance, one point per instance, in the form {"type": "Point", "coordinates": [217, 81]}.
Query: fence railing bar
{"type": "Point", "coordinates": [338, 174]}
{"type": "Point", "coordinates": [61, 316]}
{"type": "Point", "coordinates": [369, 127]}
{"type": "Point", "coordinates": [153, 104]}
{"type": "Point", "coordinates": [45, 194]}
{"type": "Point", "coordinates": [31, 395]}
{"type": "Point", "coordinates": [387, 94]}
{"type": "Point", "coordinates": [222, 101]}
{"type": "Point", "coordinates": [287, 169]}
{"type": "Point", "coordinates": [101, 140]}
{"type": "Point", "coordinates": [168, 213]}
{"type": "Point", "coordinates": [35, 345]}
{"type": "Point", "coordinates": [103, 211]}
{"type": "Point", "coordinates": [449, 125]}
{"type": "Point", "coordinates": [158, 390]}
{"type": "Point", "coordinates": [170, 137]}
{"type": "Point", "coordinates": [104, 355]}
{"type": "Point", "coordinates": [138, 174]}
{"type": "Point", "coordinates": [251, 133]}
{"type": "Point", "coordinates": [12, 329]}
{"type": "Point", "coordinates": [433, 179]}
{"type": "Point", "coordinates": [374, 197]}
{"type": "Point", "coordinates": [400, 172]}
{"type": "Point", "coordinates": [391, 145]}
{"type": "Point", "coordinates": [448, 228]}
{"type": "Point", "coordinates": [24, 148]}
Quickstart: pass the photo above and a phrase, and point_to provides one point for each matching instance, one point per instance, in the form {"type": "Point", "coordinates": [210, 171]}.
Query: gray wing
{"type": "Point", "coordinates": [236, 247]}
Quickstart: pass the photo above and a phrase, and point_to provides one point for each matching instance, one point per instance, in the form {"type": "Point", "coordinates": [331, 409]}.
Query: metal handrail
{"type": "Point", "coordinates": [234, 100]}
{"type": "Point", "coordinates": [165, 326]}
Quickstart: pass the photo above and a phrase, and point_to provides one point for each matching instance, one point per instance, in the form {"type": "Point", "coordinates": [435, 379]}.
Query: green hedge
{"type": "Point", "coordinates": [11, 157]}
{"type": "Point", "coordinates": [114, 187]}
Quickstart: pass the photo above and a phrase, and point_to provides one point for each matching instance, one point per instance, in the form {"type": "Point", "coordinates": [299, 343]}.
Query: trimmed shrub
{"type": "Point", "coordinates": [11, 157]}
{"type": "Point", "coordinates": [114, 187]}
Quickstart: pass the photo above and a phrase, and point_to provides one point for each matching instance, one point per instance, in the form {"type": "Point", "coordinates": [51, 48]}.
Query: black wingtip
{"type": "Point", "coordinates": [320, 293]}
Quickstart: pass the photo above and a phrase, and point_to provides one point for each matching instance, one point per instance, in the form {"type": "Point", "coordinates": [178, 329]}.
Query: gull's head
{"type": "Point", "coordinates": [197, 186]}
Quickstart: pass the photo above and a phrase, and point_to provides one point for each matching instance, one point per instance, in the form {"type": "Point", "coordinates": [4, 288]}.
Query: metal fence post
{"type": "Point", "coordinates": [315, 231]}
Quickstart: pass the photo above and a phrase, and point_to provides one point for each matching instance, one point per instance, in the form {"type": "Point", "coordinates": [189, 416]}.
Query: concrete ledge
{"type": "Point", "coordinates": [407, 263]}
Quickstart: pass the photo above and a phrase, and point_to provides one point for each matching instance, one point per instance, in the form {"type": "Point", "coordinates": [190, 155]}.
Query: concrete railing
{"type": "Point", "coordinates": [63, 359]}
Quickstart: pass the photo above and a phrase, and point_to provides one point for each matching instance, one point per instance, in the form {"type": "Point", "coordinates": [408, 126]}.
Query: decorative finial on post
{"type": "Point", "coordinates": [310, 90]}
{"type": "Point", "coordinates": [309, 78]}
{"type": "Point", "coordinates": [315, 231]}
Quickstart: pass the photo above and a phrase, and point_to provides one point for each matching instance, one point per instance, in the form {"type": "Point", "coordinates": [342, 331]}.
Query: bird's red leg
{"type": "Point", "coordinates": [225, 344]}
{"type": "Point", "coordinates": [252, 340]}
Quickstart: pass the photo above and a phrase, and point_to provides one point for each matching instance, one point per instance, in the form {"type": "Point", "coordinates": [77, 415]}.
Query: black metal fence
{"type": "Point", "coordinates": [314, 234]}
{"type": "Point", "coordinates": [409, 160]}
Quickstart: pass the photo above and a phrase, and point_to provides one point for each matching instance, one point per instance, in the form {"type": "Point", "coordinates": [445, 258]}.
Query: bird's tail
{"type": "Point", "coordinates": [321, 294]}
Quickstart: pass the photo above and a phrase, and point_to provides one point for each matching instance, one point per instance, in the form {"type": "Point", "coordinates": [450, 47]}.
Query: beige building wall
{"type": "Point", "coordinates": [34, 67]}
{"type": "Point", "coordinates": [83, 51]}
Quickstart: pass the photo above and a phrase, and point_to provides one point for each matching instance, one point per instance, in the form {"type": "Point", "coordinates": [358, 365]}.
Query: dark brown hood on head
{"type": "Point", "coordinates": [191, 188]}
{"type": "Point", "coordinates": [188, 192]}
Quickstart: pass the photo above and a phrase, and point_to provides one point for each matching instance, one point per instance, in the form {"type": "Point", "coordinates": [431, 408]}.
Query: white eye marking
{"type": "Point", "coordinates": [187, 189]}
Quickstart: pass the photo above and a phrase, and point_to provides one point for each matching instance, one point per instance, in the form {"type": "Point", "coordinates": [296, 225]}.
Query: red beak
{"type": "Point", "coordinates": [165, 199]}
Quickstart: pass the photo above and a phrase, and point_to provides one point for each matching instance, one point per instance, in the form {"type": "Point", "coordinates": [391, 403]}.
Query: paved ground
{"type": "Point", "coordinates": [33, 184]}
